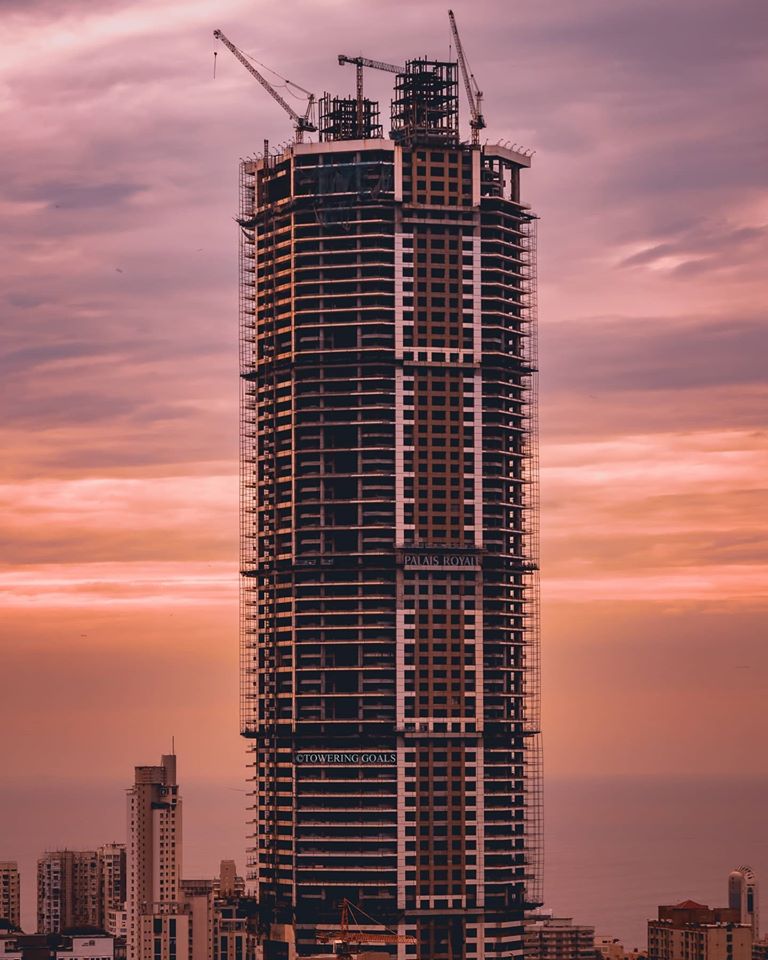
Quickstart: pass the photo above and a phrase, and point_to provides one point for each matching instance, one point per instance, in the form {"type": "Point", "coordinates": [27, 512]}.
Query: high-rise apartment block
{"type": "Point", "coordinates": [112, 870]}
{"type": "Point", "coordinates": [154, 926]}
{"type": "Point", "coordinates": [79, 888]}
{"type": "Point", "coordinates": [743, 895]}
{"type": "Point", "coordinates": [389, 529]}
{"type": "Point", "coordinates": [10, 892]}
{"type": "Point", "coordinates": [693, 931]}
{"type": "Point", "coordinates": [57, 946]}
{"type": "Point", "coordinates": [68, 890]}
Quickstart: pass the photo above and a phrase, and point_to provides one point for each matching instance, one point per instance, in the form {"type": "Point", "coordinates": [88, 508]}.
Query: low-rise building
{"type": "Point", "coordinates": [57, 946]}
{"type": "Point", "coordinates": [236, 929]}
{"type": "Point", "coordinates": [694, 931]}
{"type": "Point", "coordinates": [558, 938]}
{"type": "Point", "coordinates": [88, 947]}
{"type": "Point", "coordinates": [760, 949]}
{"type": "Point", "coordinates": [609, 948]}
{"type": "Point", "coordinates": [9, 948]}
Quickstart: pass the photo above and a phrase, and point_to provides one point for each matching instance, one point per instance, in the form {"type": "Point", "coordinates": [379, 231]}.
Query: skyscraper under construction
{"type": "Point", "coordinates": [389, 656]}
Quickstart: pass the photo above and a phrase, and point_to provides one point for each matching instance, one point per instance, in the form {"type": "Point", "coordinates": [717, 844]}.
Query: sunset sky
{"type": "Point", "coordinates": [118, 187]}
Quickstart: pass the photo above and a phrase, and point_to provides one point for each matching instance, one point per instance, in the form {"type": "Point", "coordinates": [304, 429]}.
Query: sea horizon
{"type": "Point", "coordinates": [615, 847]}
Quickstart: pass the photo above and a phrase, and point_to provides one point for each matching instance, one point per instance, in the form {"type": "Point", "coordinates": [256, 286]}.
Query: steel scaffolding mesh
{"type": "Point", "coordinates": [532, 649]}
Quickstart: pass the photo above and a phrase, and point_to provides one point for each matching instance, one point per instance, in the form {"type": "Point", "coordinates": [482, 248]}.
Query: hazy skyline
{"type": "Point", "coordinates": [118, 484]}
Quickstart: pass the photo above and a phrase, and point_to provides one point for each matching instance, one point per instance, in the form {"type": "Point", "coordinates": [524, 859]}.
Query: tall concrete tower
{"type": "Point", "coordinates": [389, 658]}
{"type": "Point", "coordinates": [154, 861]}
{"type": "Point", "coordinates": [743, 894]}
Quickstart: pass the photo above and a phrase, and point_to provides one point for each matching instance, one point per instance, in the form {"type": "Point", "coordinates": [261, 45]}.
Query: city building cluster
{"type": "Point", "coordinates": [129, 901]}
{"type": "Point", "coordinates": [681, 931]}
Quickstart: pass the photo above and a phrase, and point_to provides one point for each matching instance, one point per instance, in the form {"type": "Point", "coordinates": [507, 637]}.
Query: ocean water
{"type": "Point", "coordinates": [614, 848]}
{"type": "Point", "coordinates": [617, 848]}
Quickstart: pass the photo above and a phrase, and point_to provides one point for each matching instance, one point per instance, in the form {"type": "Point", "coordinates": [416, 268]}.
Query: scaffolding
{"type": "Point", "coordinates": [347, 643]}
{"type": "Point", "coordinates": [426, 103]}
{"type": "Point", "coordinates": [259, 328]}
{"type": "Point", "coordinates": [248, 478]}
{"type": "Point", "coordinates": [534, 825]}
{"type": "Point", "coordinates": [343, 118]}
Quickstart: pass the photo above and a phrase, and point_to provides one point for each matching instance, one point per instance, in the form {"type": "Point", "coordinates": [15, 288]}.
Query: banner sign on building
{"type": "Point", "coordinates": [440, 560]}
{"type": "Point", "coordinates": [356, 758]}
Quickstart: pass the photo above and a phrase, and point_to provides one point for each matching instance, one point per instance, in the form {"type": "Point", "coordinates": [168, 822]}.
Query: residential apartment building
{"type": "Point", "coordinates": [10, 892]}
{"type": "Point", "coordinates": [390, 680]}
{"type": "Point", "coordinates": [558, 938]}
{"type": "Point", "coordinates": [157, 926]}
{"type": "Point", "coordinates": [694, 931]}
{"type": "Point", "coordinates": [68, 891]}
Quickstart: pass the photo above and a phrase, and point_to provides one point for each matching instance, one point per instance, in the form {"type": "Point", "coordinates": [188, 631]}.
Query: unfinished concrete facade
{"type": "Point", "coordinates": [389, 505]}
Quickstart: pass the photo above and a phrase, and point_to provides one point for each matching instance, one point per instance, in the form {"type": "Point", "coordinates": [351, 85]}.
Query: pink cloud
{"type": "Point", "coordinates": [120, 296]}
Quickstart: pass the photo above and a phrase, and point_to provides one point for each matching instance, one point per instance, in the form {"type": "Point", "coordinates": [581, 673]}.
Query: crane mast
{"type": "Point", "coordinates": [474, 95]}
{"type": "Point", "coordinates": [359, 63]}
{"type": "Point", "coordinates": [301, 123]}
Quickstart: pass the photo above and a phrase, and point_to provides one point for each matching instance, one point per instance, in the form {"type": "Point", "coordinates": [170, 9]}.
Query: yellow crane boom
{"type": "Point", "coordinates": [346, 936]}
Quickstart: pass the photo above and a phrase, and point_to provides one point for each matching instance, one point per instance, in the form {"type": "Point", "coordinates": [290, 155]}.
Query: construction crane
{"type": "Point", "coordinates": [344, 938]}
{"type": "Point", "coordinates": [302, 124]}
{"type": "Point", "coordinates": [474, 94]}
{"type": "Point", "coordinates": [359, 63]}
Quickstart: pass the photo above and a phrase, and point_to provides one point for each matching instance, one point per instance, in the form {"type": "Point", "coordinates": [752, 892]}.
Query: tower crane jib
{"type": "Point", "coordinates": [359, 63]}
{"type": "Point", "coordinates": [474, 94]}
{"type": "Point", "coordinates": [301, 123]}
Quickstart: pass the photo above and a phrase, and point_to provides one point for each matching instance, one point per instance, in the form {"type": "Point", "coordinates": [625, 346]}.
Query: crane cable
{"type": "Point", "coordinates": [282, 86]}
{"type": "Point", "coordinates": [286, 82]}
{"type": "Point", "coordinates": [356, 908]}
